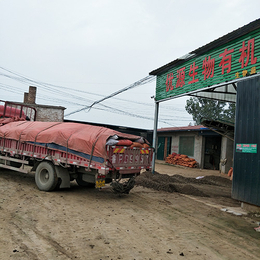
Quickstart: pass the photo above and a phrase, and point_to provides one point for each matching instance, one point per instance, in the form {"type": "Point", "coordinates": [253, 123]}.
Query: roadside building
{"type": "Point", "coordinates": [44, 113]}
{"type": "Point", "coordinates": [226, 69]}
{"type": "Point", "coordinates": [210, 149]}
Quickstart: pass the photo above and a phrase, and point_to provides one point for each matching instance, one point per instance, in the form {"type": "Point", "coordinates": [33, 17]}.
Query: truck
{"type": "Point", "coordinates": [61, 152]}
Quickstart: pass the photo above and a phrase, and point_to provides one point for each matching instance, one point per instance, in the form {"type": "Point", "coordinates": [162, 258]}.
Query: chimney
{"type": "Point", "coordinates": [31, 95]}
{"type": "Point", "coordinates": [25, 97]}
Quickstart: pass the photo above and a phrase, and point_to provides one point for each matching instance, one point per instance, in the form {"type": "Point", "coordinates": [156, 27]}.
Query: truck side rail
{"type": "Point", "coordinates": [11, 109]}
{"type": "Point", "coordinates": [123, 159]}
{"type": "Point", "coordinates": [40, 152]}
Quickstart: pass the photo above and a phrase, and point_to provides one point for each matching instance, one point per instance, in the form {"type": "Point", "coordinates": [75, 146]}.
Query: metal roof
{"type": "Point", "coordinates": [223, 128]}
{"type": "Point", "coordinates": [183, 128]}
{"type": "Point", "coordinates": [225, 91]}
{"type": "Point", "coordinates": [212, 45]}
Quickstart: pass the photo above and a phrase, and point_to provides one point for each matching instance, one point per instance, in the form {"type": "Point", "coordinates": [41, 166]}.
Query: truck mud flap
{"type": "Point", "coordinates": [123, 187]}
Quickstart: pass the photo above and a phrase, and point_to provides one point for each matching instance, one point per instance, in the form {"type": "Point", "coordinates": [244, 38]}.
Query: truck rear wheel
{"type": "Point", "coordinates": [45, 176]}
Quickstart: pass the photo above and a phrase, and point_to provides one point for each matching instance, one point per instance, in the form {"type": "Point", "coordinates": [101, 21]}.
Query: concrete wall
{"type": "Point", "coordinates": [49, 114]}
{"type": "Point", "coordinates": [227, 150]}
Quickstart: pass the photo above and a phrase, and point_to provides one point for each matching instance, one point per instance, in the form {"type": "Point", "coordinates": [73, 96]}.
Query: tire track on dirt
{"type": "Point", "coordinates": [143, 225]}
{"type": "Point", "coordinates": [197, 228]}
{"type": "Point", "coordinates": [35, 244]}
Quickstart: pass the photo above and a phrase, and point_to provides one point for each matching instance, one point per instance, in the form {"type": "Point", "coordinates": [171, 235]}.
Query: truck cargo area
{"type": "Point", "coordinates": [61, 152]}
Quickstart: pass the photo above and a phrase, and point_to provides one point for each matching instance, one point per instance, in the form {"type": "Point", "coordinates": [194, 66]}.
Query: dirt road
{"type": "Point", "coordinates": [147, 224]}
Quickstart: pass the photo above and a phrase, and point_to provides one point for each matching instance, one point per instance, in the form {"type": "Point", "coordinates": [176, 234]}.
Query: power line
{"type": "Point", "coordinates": [137, 83]}
{"type": "Point", "coordinates": [23, 79]}
{"type": "Point", "coordinates": [57, 89]}
{"type": "Point", "coordinates": [45, 85]}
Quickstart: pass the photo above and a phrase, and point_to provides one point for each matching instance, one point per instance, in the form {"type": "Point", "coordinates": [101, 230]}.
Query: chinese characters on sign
{"type": "Point", "coordinates": [169, 80]}
{"type": "Point", "coordinates": [247, 57]}
{"type": "Point", "coordinates": [245, 53]}
{"type": "Point", "coordinates": [208, 67]}
{"type": "Point", "coordinates": [226, 60]}
{"type": "Point", "coordinates": [193, 73]}
{"type": "Point", "coordinates": [246, 148]}
{"type": "Point", "coordinates": [180, 77]}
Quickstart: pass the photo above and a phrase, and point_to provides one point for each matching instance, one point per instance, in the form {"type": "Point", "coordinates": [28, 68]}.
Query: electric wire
{"type": "Point", "coordinates": [51, 87]}
{"type": "Point", "coordinates": [26, 80]}
{"type": "Point", "coordinates": [134, 85]}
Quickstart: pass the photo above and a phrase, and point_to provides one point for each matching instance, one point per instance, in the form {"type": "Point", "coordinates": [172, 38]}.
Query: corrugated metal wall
{"type": "Point", "coordinates": [246, 177]}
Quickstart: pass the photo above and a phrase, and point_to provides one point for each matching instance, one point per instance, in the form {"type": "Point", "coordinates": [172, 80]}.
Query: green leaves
{"type": "Point", "coordinates": [210, 109]}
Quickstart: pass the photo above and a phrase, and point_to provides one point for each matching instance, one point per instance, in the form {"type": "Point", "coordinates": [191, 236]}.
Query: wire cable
{"type": "Point", "coordinates": [137, 83]}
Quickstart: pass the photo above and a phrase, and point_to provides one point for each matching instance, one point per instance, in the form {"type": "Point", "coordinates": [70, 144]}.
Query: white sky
{"type": "Point", "coordinates": [88, 49]}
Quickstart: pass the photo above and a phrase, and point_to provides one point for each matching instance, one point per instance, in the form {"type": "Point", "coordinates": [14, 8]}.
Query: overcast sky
{"type": "Point", "coordinates": [77, 52]}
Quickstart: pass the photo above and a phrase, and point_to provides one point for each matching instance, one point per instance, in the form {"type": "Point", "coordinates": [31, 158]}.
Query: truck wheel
{"type": "Point", "coordinates": [82, 183]}
{"type": "Point", "coordinates": [45, 176]}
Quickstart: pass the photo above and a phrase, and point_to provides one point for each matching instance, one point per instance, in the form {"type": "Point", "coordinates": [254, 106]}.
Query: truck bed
{"type": "Point", "coordinates": [123, 159]}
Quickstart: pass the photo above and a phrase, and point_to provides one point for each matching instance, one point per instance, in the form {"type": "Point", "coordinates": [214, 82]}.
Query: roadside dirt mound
{"type": "Point", "coordinates": [190, 186]}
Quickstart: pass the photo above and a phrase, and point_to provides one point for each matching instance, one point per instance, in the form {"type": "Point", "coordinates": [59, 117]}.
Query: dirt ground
{"type": "Point", "coordinates": [168, 215]}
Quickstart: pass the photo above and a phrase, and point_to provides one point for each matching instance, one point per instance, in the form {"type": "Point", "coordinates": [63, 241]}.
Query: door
{"type": "Point", "coordinates": [212, 152]}
{"type": "Point", "coordinates": [164, 147]}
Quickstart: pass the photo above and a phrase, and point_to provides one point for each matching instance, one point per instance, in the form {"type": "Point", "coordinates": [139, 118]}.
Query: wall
{"type": "Point", "coordinates": [227, 147]}
{"type": "Point", "coordinates": [49, 114]}
{"type": "Point", "coordinates": [246, 177]}
{"type": "Point", "coordinates": [198, 147]}
{"type": "Point", "coordinates": [44, 113]}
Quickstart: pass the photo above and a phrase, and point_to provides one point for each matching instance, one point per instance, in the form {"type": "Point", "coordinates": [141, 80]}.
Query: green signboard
{"type": "Point", "coordinates": [236, 59]}
{"type": "Point", "coordinates": [246, 148]}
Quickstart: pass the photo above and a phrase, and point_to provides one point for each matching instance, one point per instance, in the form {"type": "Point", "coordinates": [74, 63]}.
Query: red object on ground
{"type": "Point", "coordinates": [181, 159]}
{"type": "Point", "coordinates": [230, 172]}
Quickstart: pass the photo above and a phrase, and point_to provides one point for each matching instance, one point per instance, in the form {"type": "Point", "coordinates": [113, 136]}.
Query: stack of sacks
{"type": "Point", "coordinates": [181, 159]}
{"type": "Point", "coordinates": [138, 143]}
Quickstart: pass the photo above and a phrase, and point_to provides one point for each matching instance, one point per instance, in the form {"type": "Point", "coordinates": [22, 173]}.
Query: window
{"type": "Point", "coordinates": [186, 145]}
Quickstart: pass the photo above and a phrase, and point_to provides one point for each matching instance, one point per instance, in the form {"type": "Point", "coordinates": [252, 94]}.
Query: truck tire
{"type": "Point", "coordinates": [82, 183]}
{"type": "Point", "coordinates": [45, 176]}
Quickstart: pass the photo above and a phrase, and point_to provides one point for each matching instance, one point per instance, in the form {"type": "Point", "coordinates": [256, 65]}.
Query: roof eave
{"type": "Point", "coordinates": [212, 45]}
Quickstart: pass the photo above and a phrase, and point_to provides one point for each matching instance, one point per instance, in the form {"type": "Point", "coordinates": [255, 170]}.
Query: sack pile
{"type": "Point", "coordinates": [181, 159]}
{"type": "Point", "coordinates": [138, 143]}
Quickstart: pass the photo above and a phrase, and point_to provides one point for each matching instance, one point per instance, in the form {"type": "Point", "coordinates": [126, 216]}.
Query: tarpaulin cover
{"type": "Point", "coordinates": [74, 136]}
{"type": "Point", "coordinates": [7, 120]}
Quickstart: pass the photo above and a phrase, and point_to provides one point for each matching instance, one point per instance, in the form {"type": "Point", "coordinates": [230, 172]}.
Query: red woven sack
{"type": "Point", "coordinates": [124, 142]}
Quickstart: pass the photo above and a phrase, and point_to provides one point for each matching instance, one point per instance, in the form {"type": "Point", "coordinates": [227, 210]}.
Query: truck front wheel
{"type": "Point", "coordinates": [45, 176]}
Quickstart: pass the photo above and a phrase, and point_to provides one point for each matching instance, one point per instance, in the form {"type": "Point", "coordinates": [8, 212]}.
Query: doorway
{"type": "Point", "coordinates": [164, 147]}
{"type": "Point", "coordinates": [212, 152]}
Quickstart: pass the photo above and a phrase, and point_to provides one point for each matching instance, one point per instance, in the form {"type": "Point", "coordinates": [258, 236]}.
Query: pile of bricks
{"type": "Point", "coordinates": [181, 159]}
